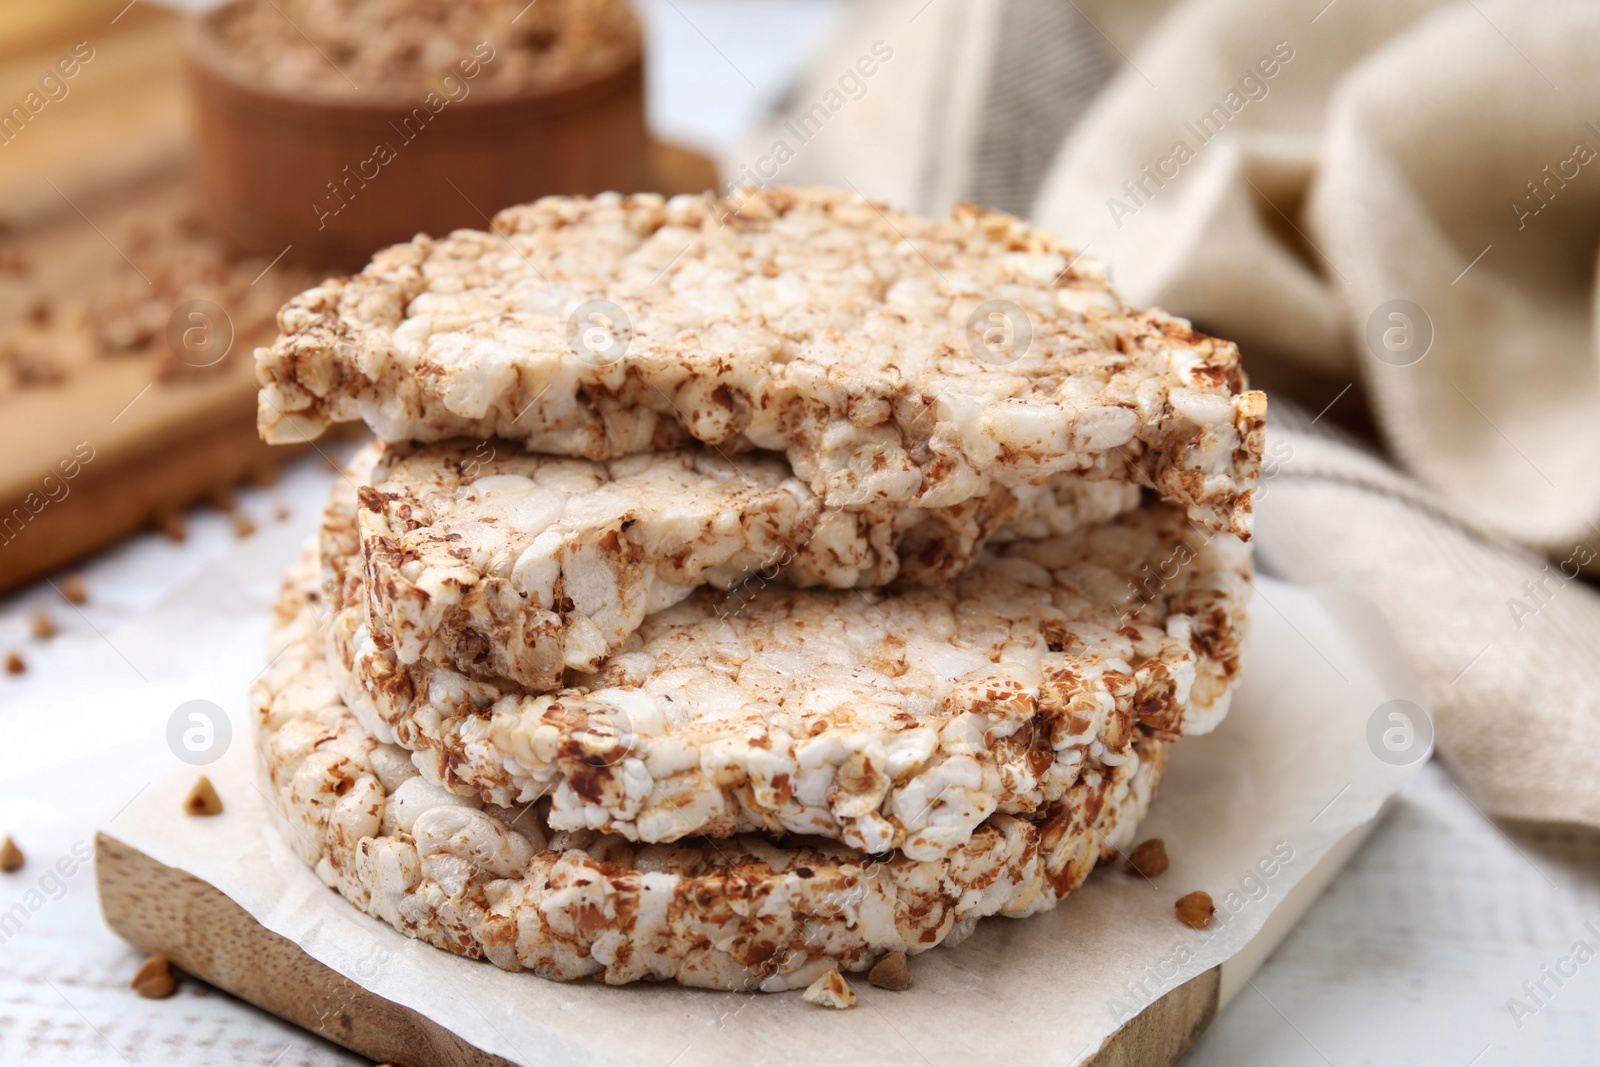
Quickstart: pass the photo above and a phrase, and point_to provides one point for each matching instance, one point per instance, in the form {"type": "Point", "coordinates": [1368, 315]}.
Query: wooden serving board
{"type": "Point", "coordinates": [161, 909]}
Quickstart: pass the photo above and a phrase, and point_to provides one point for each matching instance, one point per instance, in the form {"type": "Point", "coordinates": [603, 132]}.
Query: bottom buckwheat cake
{"type": "Point", "coordinates": [747, 912]}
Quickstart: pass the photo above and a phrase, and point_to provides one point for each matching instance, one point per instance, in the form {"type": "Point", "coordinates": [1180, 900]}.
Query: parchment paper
{"type": "Point", "coordinates": [1246, 813]}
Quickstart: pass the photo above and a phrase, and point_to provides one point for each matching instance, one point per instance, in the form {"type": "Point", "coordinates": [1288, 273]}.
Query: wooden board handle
{"type": "Point", "coordinates": [160, 909]}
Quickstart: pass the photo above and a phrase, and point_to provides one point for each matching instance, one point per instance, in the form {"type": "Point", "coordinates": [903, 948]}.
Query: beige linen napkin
{"type": "Point", "coordinates": [1401, 197]}
{"type": "Point", "coordinates": [1407, 201]}
{"type": "Point", "coordinates": [1506, 644]}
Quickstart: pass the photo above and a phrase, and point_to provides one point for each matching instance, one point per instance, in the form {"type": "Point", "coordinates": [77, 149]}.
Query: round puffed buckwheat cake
{"type": "Point", "coordinates": [742, 913]}
{"type": "Point", "coordinates": [901, 719]}
{"type": "Point", "coordinates": [893, 359]}
{"type": "Point", "coordinates": [504, 564]}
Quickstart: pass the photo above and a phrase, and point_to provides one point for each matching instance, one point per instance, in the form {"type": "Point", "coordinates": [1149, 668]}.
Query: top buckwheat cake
{"type": "Point", "coordinates": [893, 359]}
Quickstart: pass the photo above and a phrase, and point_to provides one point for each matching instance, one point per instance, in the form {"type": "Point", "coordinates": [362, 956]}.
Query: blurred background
{"type": "Point", "coordinates": [1389, 205]}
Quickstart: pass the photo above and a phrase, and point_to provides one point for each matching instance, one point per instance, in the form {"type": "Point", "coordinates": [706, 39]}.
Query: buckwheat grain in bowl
{"type": "Point", "coordinates": [351, 47]}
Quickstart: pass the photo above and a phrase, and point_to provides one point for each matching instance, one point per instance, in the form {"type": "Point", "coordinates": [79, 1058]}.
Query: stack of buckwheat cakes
{"type": "Point", "coordinates": [741, 590]}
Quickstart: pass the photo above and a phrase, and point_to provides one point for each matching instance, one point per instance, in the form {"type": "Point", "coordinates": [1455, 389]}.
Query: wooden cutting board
{"type": "Point", "coordinates": [160, 909]}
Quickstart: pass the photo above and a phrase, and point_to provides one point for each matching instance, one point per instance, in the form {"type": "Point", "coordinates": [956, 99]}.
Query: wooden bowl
{"type": "Point", "coordinates": [334, 178]}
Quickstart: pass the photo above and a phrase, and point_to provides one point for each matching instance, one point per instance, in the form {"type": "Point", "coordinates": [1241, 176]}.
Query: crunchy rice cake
{"type": "Point", "coordinates": [744, 913]}
{"type": "Point", "coordinates": [503, 564]}
{"type": "Point", "coordinates": [881, 720]}
{"type": "Point", "coordinates": [892, 358]}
